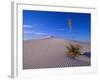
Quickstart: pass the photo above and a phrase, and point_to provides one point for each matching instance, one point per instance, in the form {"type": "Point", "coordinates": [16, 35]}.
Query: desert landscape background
{"type": "Point", "coordinates": [46, 34]}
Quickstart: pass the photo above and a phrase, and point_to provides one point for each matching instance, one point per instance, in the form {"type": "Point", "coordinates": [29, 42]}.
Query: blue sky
{"type": "Point", "coordinates": [37, 24]}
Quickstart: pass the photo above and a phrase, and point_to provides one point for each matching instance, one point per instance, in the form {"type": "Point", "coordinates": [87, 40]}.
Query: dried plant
{"type": "Point", "coordinates": [73, 50]}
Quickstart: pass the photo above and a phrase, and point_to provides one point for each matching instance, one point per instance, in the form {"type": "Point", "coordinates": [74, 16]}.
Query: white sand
{"type": "Point", "coordinates": [50, 53]}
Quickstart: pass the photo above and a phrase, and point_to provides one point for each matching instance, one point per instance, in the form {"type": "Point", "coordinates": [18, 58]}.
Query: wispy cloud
{"type": "Point", "coordinates": [40, 33]}
{"type": "Point", "coordinates": [27, 26]}
{"type": "Point", "coordinates": [35, 33]}
{"type": "Point", "coordinates": [28, 32]}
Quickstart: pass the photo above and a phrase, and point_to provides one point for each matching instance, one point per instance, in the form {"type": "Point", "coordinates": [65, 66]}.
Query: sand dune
{"type": "Point", "coordinates": [50, 53]}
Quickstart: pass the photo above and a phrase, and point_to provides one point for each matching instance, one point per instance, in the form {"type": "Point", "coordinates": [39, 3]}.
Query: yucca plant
{"type": "Point", "coordinates": [73, 50]}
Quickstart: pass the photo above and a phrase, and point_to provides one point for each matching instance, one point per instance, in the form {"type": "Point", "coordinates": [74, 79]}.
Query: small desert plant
{"type": "Point", "coordinates": [73, 50]}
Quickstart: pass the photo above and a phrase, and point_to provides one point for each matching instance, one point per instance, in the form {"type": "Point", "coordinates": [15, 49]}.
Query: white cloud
{"type": "Point", "coordinates": [28, 32]}
{"type": "Point", "coordinates": [27, 26]}
{"type": "Point", "coordinates": [40, 33]}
